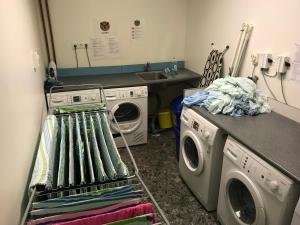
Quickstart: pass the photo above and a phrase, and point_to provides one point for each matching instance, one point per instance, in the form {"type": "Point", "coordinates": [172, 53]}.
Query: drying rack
{"type": "Point", "coordinates": [132, 179]}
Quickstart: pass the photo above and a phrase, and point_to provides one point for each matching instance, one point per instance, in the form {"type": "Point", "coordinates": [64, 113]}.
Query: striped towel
{"type": "Point", "coordinates": [109, 166]}
{"type": "Point", "coordinates": [72, 216]}
{"type": "Point", "coordinates": [43, 169]}
{"type": "Point", "coordinates": [119, 165]}
{"type": "Point", "coordinates": [99, 168]}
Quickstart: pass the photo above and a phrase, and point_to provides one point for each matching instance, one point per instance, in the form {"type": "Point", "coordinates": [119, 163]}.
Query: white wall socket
{"type": "Point", "coordinates": [266, 61]}
{"type": "Point", "coordinates": [254, 59]}
{"type": "Point", "coordinates": [80, 45]}
{"type": "Point", "coordinates": [283, 64]}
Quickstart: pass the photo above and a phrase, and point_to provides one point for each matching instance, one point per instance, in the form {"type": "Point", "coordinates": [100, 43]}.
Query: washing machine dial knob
{"type": "Point", "coordinates": [206, 134]}
{"type": "Point", "coordinates": [139, 93]}
{"type": "Point", "coordinates": [273, 185]}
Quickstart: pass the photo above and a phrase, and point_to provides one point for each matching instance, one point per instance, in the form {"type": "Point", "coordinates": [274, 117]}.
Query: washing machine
{"type": "Point", "coordinates": [129, 105]}
{"type": "Point", "coordinates": [296, 217]}
{"type": "Point", "coordinates": [252, 191]}
{"type": "Point", "coordinates": [200, 161]}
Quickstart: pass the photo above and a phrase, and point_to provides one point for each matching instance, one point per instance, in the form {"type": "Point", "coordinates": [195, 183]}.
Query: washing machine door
{"type": "Point", "coordinates": [128, 115]}
{"type": "Point", "coordinates": [244, 200]}
{"type": "Point", "coordinates": [192, 150]}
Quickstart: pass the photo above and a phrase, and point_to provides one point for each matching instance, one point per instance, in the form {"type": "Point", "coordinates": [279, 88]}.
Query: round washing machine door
{"type": "Point", "coordinates": [192, 152]}
{"type": "Point", "coordinates": [128, 116]}
{"type": "Point", "coordinates": [244, 200]}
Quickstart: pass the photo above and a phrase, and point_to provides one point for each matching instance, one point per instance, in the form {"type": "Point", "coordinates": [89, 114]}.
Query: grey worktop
{"type": "Point", "coordinates": [273, 137]}
{"type": "Point", "coordinates": [123, 80]}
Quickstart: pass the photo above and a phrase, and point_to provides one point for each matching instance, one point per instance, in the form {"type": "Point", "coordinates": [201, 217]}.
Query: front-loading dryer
{"type": "Point", "coordinates": [129, 105]}
{"type": "Point", "coordinates": [252, 191]}
{"type": "Point", "coordinates": [200, 162]}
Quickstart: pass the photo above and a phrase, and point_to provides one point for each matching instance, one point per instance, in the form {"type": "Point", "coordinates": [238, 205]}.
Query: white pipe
{"type": "Point", "coordinates": [237, 61]}
{"type": "Point", "coordinates": [242, 50]}
{"type": "Point", "coordinates": [236, 52]}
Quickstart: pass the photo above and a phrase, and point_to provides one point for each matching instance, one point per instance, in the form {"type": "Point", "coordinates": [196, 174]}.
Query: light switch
{"type": "Point", "coordinates": [35, 60]}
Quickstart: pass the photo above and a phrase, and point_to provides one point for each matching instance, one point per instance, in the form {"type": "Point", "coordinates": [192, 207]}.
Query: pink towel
{"type": "Point", "coordinates": [122, 214]}
{"type": "Point", "coordinates": [70, 216]}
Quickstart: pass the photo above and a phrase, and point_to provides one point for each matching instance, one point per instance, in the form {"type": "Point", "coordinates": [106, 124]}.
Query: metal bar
{"type": "Point", "coordinates": [50, 30]}
{"type": "Point", "coordinates": [161, 212]}
{"type": "Point", "coordinates": [25, 215]}
{"type": "Point", "coordinates": [44, 29]}
{"type": "Point", "coordinates": [240, 52]}
{"type": "Point", "coordinates": [231, 68]}
{"type": "Point", "coordinates": [129, 180]}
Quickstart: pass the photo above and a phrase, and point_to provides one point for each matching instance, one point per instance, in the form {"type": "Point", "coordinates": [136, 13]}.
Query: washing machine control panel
{"type": "Point", "coordinates": [73, 98]}
{"type": "Point", "coordinates": [203, 128]}
{"type": "Point", "coordinates": [126, 93]}
{"type": "Point", "coordinates": [269, 178]}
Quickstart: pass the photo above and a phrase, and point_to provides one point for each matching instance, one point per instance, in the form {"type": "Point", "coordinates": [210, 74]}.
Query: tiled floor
{"type": "Point", "coordinates": [159, 169]}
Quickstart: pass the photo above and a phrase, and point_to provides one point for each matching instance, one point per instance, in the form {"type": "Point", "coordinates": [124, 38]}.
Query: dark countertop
{"type": "Point", "coordinates": [122, 80]}
{"type": "Point", "coordinates": [273, 137]}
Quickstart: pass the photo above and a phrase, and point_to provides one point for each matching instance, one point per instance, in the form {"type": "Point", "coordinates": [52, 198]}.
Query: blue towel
{"type": "Point", "coordinates": [195, 99]}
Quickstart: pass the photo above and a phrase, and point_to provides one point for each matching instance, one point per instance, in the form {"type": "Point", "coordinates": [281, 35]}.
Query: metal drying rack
{"type": "Point", "coordinates": [131, 180]}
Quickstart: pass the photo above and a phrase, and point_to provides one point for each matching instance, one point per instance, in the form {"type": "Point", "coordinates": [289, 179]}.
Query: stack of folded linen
{"type": "Point", "coordinates": [234, 96]}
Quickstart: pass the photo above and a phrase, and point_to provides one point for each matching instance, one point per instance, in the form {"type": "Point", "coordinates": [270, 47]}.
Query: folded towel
{"type": "Point", "coordinates": [42, 175]}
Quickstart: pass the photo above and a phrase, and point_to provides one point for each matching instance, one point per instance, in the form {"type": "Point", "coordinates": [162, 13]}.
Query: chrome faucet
{"type": "Point", "coordinates": [147, 67]}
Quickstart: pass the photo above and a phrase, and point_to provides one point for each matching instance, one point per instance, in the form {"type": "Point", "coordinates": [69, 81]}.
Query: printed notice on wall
{"type": "Point", "coordinates": [137, 29]}
{"type": "Point", "coordinates": [105, 47]}
{"type": "Point", "coordinates": [295, 73]}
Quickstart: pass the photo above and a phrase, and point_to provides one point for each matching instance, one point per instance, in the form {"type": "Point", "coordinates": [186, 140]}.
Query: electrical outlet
{"type": "Point", "coordinates": [254, 59]}
{"type": "Point", "coordinates": [283, 64]}
{"type": "Point", "coordinates": [80, 45]}
{"type": "Point", "coordinates": [267, 60]}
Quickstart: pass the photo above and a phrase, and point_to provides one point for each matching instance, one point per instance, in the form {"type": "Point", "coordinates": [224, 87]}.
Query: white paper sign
{"type": "Point", "coordinates": [295, 73]}
{"type": "Point", "coordinates": [106, 47]}
{"type": "Point", "coordinates": [137, 29]}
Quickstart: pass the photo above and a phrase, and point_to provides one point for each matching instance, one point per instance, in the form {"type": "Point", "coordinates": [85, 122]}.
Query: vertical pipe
{"type": "Point", "coordinates": [44, 29]}
{"type": "Point", "coordinates": [248, 31]}
{"type": "Point", "coordinates": [236, 52]}
{"type": "Point", "coordinates": [240, 49]}
{"type": "Point", "coordinates": [50, 30]}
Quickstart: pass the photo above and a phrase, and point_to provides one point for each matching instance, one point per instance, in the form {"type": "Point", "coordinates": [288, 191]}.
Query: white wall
{"type": "Point", "coordinates": [276, 30]}
{"type": "Point", "coordinates": [22, 101]}
{"type": "Point", "coordinates": [73, 21]}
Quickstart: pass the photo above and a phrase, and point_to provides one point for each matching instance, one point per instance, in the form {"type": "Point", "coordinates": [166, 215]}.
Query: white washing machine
{"type": "Point", "coordinates": [72, 98]}
{"type": "Point", "coordinates": [200, 161]}
{"type": "Point", "coordinates": [296, 217]}
{"type": "Point", "coordinates": [252, 191]}
{"type": "Point", "coordinates": [130, 108]}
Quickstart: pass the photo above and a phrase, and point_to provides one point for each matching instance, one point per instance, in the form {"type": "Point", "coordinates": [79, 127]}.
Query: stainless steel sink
{"type": "Point", "coordinates": [152, 76]}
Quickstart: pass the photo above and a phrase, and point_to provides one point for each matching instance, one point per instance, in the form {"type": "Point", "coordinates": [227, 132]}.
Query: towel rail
{"type": "Point", "coordinates": [128, 180]}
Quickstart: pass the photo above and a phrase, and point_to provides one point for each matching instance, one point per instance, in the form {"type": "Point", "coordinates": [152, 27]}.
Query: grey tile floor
{"type": "Point", "coordinates": [159, 169]}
